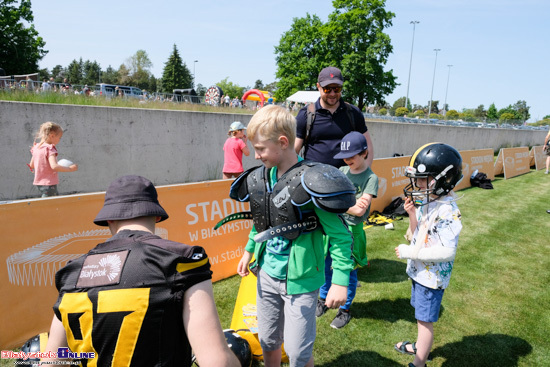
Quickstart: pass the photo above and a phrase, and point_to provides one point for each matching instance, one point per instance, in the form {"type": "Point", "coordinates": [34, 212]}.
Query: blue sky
{"type": "Point", "coordinates": [498, 48]}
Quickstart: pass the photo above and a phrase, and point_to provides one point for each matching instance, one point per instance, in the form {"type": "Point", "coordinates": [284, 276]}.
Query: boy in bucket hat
{"type": "Point", "coordinates": [138, 299]}
{"type": "Point", "coordinates": [354, 152]}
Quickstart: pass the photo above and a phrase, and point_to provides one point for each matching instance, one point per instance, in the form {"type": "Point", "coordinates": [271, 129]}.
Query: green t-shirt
{"type": "Point", "coordinates": [275, 258]}
{"type": "Point", "coordinates": [365, 182]}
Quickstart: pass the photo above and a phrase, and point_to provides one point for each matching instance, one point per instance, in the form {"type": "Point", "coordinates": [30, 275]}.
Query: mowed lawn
{"type": "Point", "coordinates": [496, 311]}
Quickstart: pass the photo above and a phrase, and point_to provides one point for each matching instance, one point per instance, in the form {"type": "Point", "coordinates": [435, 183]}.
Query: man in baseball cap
{"type": "Point", "coordinates": [330, 75]}
{"type": "Point", "coordinates": [320, 126]}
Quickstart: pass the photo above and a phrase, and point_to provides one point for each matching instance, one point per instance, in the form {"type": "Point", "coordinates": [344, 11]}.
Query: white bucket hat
{"type": "Point", "coordinates": [237, 125]}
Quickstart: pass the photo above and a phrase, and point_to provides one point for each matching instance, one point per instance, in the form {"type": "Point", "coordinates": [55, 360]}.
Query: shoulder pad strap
{"type": "Point", "coordinates": [239, 187]}
{"type": "Point", "coordinates": [329, 188]}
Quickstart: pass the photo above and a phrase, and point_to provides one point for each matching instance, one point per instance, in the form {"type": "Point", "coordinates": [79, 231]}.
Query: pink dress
{"type": "Point", "coordinates": [44, 175]}
{"type": "Point", "coordinates": [233, 155]}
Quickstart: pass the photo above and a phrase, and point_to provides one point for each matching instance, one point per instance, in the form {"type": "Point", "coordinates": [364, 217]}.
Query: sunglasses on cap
{"type": "Point", "coordinates": [335, 89]}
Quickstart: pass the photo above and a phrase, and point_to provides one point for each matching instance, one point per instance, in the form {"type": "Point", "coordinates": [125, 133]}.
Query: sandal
{"type": "Point", "coordinates": [403, 349]}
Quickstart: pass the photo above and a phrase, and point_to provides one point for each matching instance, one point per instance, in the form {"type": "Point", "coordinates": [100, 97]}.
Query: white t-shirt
{"type": "Point", "coordinates": [444, 232]}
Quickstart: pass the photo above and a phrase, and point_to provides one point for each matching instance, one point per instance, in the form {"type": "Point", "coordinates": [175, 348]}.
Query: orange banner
{"type": "Point", "coordinates": [537, 157]}
{"type": "Point", "coordinates": [392, 179]}
{"type": "Point", "coordinates": [44, 234]}
{"type": "Point", "coordinates": [513, 162]}
{"type": "Point", "coordinates": [472, 160]}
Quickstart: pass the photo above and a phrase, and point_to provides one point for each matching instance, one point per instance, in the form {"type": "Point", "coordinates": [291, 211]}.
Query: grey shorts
{"type": "Point", "coordinates": [47, 191]}
{"type": "Point", "coordinates": [288, 318]}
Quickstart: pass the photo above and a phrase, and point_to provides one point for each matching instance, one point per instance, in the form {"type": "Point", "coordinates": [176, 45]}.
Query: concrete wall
{"type": "Point", "coordinates": [171, 147]}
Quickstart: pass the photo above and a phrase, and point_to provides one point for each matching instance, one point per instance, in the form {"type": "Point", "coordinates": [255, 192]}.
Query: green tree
{"type": "Point", "coordinates": [400, 102]}
{"type": "Point", "coordinates": [480, 112]}
{"type": "Point", "coordinates": [492, 113]}
{"type": "Point", "coordinates": [522, 110]}
{"type": "Point", "coordinates": [230, 89]}
{"type": "Point", "coordinates": [201, 89]}
{"type": "Point", "coordinates": [401, 111]}
{"type": "Point", "coordinates": [355, 32]}
{"type": "Point", "coordinates": [58, 73]}
{"type": "Point", "coordinates": [419, 113]}
{"type": "Point", "coordinates": [123, 75]}
{"type": "Point", "coordinates": [109, 76]}
{"type": "Point", "coordinates": [259, 85]}
{"type": "Point", "coordinates": [152, 85]}
{"type": "Point", "coordinates": [139, 66]}
{"type": "Point", "coordinates": [467, 116]}
{"type": "Point", "coordinates": [507, 117]}
{"type": "Point", "coordinates": [90, 72]}
{"type": "Point", "coordinates": [435, 107]}
{"type": "Point", "coordinates": [43, 74]}
{"type": "Point", "coordinates": [383, 111]}
{"type": "Point", "coordinates": [175, 75]}
{"type": "Point", "coordinates": [300, 56]}
{"type": "Point", "coordinates": [452, 115]}
{"type": "Point", "coordinates": [74, 72]}
{"type": "Point", "coordinates": [21, 48]}
{"type": "Point", "coordinates": [352, 39]}
{"type": "Point", "coordinates": [271, 87]}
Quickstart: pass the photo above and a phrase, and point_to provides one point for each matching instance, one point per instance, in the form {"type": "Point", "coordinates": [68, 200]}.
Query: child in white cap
{"type": "Point", "coordinates": [233, 150]}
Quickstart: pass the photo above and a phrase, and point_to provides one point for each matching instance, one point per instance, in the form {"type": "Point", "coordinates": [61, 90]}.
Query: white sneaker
{"type": "Point", "coordinates": [546, 172]}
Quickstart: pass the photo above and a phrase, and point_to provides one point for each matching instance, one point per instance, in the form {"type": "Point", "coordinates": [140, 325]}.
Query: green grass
{"type": "Point", "coordinates": [495, 311]}
{"type": "Point", "coordinates": [58, 98]}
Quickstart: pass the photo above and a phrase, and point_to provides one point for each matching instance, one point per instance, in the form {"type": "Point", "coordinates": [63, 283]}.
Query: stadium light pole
{"type": "Point", "coordinates": [433, 81]}
{"type": "Point", "coordinates": [414, 23]}
{"type": "Point", "coordinates": [194, 63]}
{"type": "Point", "coordinates": [447, 89]}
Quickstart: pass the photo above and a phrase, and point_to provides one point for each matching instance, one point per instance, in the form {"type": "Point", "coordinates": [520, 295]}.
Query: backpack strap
{"type": "Point", "coordinates": [310, 117]}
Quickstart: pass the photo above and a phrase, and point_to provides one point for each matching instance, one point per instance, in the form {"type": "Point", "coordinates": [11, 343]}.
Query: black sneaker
{"type": "Point", "coordinates": [342, 319]}
{"type": "Point", "coordinates": [321, 308]}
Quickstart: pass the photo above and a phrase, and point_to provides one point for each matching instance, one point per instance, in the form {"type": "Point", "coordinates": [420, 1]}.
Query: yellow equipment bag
{"type": "Point", "coordinates": [244, 321]}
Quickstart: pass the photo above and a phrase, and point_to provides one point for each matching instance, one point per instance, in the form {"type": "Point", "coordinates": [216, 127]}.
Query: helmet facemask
{"type": "Point", "coordinates": [416, 194]}
{"type": "Point", "coordinates": [434, 185]}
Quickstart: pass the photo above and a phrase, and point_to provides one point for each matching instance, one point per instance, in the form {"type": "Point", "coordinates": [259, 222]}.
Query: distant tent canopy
{"type": "Point", "coordinates": [257, 95]}
{"type": "Point", "coordinates": [304, 96]}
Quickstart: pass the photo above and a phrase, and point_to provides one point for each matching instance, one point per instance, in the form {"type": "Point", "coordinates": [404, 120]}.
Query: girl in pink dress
{"type": "Point", "coordinates": [233, 150]}
{"type": "Point", "coordinates": [44, 159]}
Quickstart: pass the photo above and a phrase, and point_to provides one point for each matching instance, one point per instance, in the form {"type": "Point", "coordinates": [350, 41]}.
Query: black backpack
{"type": "Point", "coordinates": [481, 180]}
{"type": "Point", "coordinates": [395, 208]}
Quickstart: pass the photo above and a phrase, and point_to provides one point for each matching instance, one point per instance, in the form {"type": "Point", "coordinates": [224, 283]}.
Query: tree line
{"type": "Point", "coordinates": [352, 39]}
{"type": "Point", "coordinates": [514, 114]}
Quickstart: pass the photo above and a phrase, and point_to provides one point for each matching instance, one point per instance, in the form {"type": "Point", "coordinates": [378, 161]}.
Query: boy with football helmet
{"type": "Point", "coordinates": [435, 221]}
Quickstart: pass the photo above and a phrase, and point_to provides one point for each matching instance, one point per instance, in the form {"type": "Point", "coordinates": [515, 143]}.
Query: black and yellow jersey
{"type": "Point", "coordinates": [123, 300]}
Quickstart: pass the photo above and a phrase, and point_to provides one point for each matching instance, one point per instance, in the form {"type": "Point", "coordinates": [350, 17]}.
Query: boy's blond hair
{"type": "Point", "coordinates": [271, 122]}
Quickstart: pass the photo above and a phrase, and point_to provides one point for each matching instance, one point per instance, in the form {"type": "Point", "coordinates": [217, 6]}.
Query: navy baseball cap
{"type": "Point", "coordinates": [330, 75]}
{"type": "Point", "coordinates": [351, 144]}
